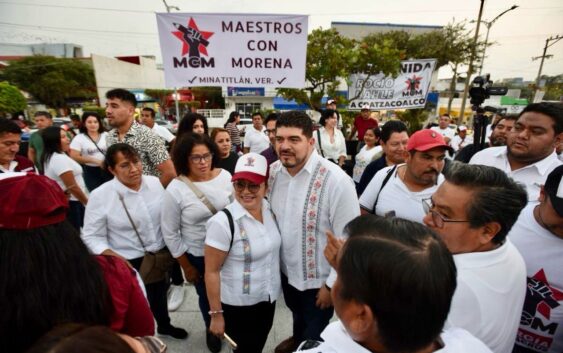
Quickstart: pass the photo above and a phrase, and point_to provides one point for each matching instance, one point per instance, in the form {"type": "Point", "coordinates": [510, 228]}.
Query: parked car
{"type": "Point", "coordinates": [173, 128]}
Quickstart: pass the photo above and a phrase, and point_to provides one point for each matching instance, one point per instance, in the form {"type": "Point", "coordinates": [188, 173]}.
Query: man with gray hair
{"type": "Point", "coordinates": [472, 211]}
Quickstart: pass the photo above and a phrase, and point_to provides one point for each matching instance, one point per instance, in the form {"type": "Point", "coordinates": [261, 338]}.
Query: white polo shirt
{"type": "Point", "coordinates": [251, 271]}
{"type": "Point", "coordinates": [256, 140]}
{"type": "Point", "coordinates": [184, 215]}
{"type": "Point", "coordinates": [541, 327]}
{"type": "Point", "coordinates": [337, 340]}
{"type": "Point", "coordinates": [396, 196]}
{"type": "Point", "coordinates": [532, 176]}
{"type": "Point", "coordinates": [491, 285]}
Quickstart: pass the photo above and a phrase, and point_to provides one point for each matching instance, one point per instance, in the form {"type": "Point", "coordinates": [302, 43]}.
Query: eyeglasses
{"type": "Point", "coordinates": [241, 185]}
{"type": "Point", "coordinates": [197, 158]}
{"type": "Point", "coordinates": [437, 218]}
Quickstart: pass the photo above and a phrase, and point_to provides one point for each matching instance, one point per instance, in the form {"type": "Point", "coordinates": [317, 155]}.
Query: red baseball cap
{"type": "Point", "coordinates": [426, 139]}
{"type": "Point", "coordinates": [30, 201]}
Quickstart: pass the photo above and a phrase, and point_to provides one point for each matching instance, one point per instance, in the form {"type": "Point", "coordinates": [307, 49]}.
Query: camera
{"type": "Point", "coordinates": [481, 89]}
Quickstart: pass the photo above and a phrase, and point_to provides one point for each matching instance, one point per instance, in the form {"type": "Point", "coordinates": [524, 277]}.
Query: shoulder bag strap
{"type": "Point", "coordinates": [387, 177]}
{"type": "Point", "coordinates": [319, 141]}
{"type": "Point", "coordinates": [198, 193]}
{"type": "Point", "coordinates": [231, 226]}
{"type": "Point", "coordinates": [131, 221]}
{"type": "Point", "coordinates": [98, 147]}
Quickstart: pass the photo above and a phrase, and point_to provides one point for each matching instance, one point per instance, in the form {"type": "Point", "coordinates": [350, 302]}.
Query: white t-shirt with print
{"type": "Point", "coordinates": [59, 164]}
{"type": "Point", "coordinates": [363, 158]}
{"type": "Point", "coordinates": [541, 324]}
{"type": "Point", "coordinates": [87, 148]}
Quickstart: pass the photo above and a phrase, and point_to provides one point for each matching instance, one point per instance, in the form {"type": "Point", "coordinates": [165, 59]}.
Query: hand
{"type": "Point", "coordinates": [217, 325]}
{"type": "Point", "coordinates": [333, 245]}
{"type": "Point", "coordinates": [323, 298]}
{"type": "Point", "coordinates": [192, 274]}
{"type": "Point", "coordinates": [109, 252]}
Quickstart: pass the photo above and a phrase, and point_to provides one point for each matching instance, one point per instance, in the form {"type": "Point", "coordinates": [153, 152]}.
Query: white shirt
{"type": "Point", "coordinates": [447, 132]}
{"type": "Point", "coordinates": [87, 148]}
{"type": "Point", "coordinates": [457, 143]}
{"type": "Point", "coordinates": [184, 216]}
{"type": "Point", "coordinates": [560, 156]}
{"type": "Point", "coordinates": [258, 251]}
{"type": "Point", "coordinates": [491, 285]}
{"type": "Point", "coordinates": [163, 132]}
{"type": "Point", "coordinates": [331, 150]}
{"type": "Point", "coordinates": [542, 328]}
{"type": "Point", "coordinates": [318, 198]}
{"type": "Point", "coordinates": [59, 164]}
{"type": "Point", "coordinates": [532, 176]}
{"type": "Point", "coordinates": [363, 158]}
{"type": "Point", "coordinates": [337, 340]}
{"type": "Point", "coordinates": [106, 225]}
{"type": "Point", "coordinates": [396, 196]}
{"type": "Point", "coordinates": [256, 140]}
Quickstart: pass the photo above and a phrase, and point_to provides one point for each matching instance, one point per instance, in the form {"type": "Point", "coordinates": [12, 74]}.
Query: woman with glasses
{"type": "Point", "coordinates": [242, 260]}
{"type": "Point", "coordinates": [190, 200]}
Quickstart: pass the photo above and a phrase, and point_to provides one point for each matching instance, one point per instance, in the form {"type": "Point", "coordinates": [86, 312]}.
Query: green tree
{"type": "Point", "coordinates": [160, 96]}
{"type": "Point", "coordinates": [11, 99]}
{"type": "Point", "coordinates": [413, 118]}
{"type": "Point", "coordinates": [553, 87]}
{"type": "Point", "coordinates": [52, 80]}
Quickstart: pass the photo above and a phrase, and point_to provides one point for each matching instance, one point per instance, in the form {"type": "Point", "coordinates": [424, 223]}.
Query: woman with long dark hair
{"type": "Point", "coordinates": [89, 148]}
{"type": "Point", "coordinates": [58, 166]}
{"type": "Point", "coordinates": [192, 123]}
{"type": "Point", "coordinates": [227, 158]}
{"type": "Point", "coordinates": [47, 275]}
{"type": "Point", "coordinates": [190, 200]}
{"type": "Point", "coordinates": [329, 140]}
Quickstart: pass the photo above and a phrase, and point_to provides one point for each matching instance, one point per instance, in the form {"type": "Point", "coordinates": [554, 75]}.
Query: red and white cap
{"type": "Point", "coordinates": [252, 167]}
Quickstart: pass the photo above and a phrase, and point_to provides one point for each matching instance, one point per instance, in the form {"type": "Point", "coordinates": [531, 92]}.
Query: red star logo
{"type": "Point", "coordinates": [543, 308]}
{"type": "Point", "coordinates": [414, 82]}
{"type": "Point", "coordinates": [185, 46]}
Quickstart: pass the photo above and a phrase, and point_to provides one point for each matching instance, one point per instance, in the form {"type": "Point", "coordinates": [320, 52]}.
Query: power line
{"type": "Point", "coordinates": [75, 7]}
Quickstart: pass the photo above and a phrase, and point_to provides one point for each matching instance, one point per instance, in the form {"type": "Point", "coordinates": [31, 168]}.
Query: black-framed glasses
{"type": "Point", "coordinates": [437, 218]}
{"type": "Point", "coordinates": [198, 158]}
{"type": "Point", "coordinates": [240, 185]}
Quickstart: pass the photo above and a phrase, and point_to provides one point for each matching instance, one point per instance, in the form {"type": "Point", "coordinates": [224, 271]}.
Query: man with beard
{"type": "Point", "coordinates": [500, 131]}
{"type": "Point", "coordinates": [529, 155]}
{"type": "Point", "coordinates": [309, 196]}
{"type": "Point", "coordinates": [400, 189]}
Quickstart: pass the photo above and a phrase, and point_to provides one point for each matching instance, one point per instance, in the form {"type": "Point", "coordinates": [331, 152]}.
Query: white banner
{"type": "Point", "coordinates": [407, 91]}
{"type": "Point", "coordinates": [233, 50]}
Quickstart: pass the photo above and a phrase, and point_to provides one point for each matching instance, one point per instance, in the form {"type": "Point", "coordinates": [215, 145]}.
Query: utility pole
{"type": "Point", "coordinates": [176, 103]}
{"type": "Point", "coordinates": [471, 59]}
{"type": "Point", "coordinates": [545, 56]}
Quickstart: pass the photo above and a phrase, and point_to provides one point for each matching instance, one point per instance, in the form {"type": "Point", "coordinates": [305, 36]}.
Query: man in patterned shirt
{"type": "Point", "coordinates": [120, 110]}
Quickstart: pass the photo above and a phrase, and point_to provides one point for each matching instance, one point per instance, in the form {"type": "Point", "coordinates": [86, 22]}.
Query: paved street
{"type": "Point", "coordinates": [189, 317]}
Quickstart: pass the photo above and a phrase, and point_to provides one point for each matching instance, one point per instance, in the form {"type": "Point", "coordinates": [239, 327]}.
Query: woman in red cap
{"type": "Point", "coordinates": [242, 248]}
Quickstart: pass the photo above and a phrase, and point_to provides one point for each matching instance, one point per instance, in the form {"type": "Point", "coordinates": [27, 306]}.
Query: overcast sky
{"type": "Point", "coordinates": [128, 27]}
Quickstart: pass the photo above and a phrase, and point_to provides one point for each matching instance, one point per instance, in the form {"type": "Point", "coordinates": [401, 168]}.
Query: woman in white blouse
{"type": "Point", "coordinates": [123, 219]}
{"type": "Point", "coordinates": [371, 150]}
{"type": "Point", "coordinates": [242, 262]}
{"type": "Point", "coordinates": [329, 140]}
{"type": "Point", "coordinates": [89, 147]}
{"type": "Point", "coordinates": [185, 212]}
{"type": "Point", "coordinates": [58, 166]}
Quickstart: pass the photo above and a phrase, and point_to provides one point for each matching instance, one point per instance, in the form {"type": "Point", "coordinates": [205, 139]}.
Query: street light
{"type": "Point", "coordinates": [489, 24]}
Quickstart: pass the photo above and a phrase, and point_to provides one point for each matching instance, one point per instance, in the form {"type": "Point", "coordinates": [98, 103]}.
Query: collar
{"type": "Point", "coordinates": [133, 129]}
{"type": "Point", "coordinates": [11, 167]}
{"type": "Point", "coordinates": [123, 190]}
{"type": "Point", "coordinates": [309, 167]}
{"type": "Point", "coordinates": [483, 258]}
{"type": "Point", "coordinates": [542, 166]}
{"type": "Point", "coordinates": [238, 211]}
{"type": "Point", "coordinates": [336, 336]}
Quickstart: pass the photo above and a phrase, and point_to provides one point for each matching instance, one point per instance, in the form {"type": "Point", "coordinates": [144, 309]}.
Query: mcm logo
{"type": "Point", "coordinates": [194, 43]}
{"type": "Point", "coordinates": [250, 162]}
{"type": "Point", "coordinates": [413, 84]}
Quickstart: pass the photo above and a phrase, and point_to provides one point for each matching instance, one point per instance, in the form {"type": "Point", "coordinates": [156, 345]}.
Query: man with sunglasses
{"type": "Point", "coordinates": [398, 190]}
{"type": "Point", "coordinates": [472, 211]}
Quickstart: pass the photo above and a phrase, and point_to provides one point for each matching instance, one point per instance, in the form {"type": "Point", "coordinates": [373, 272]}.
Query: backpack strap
{"type": "Point", "coordinates": [387, 177]}
{"type": "Point", "coordinates": [231, 226]}
{"type": "Point", "coordinates": [319, 141]}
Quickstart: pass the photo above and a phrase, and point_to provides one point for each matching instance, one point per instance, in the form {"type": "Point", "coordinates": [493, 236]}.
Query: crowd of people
{"type": "Point", "coordinates": [427, 243]}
